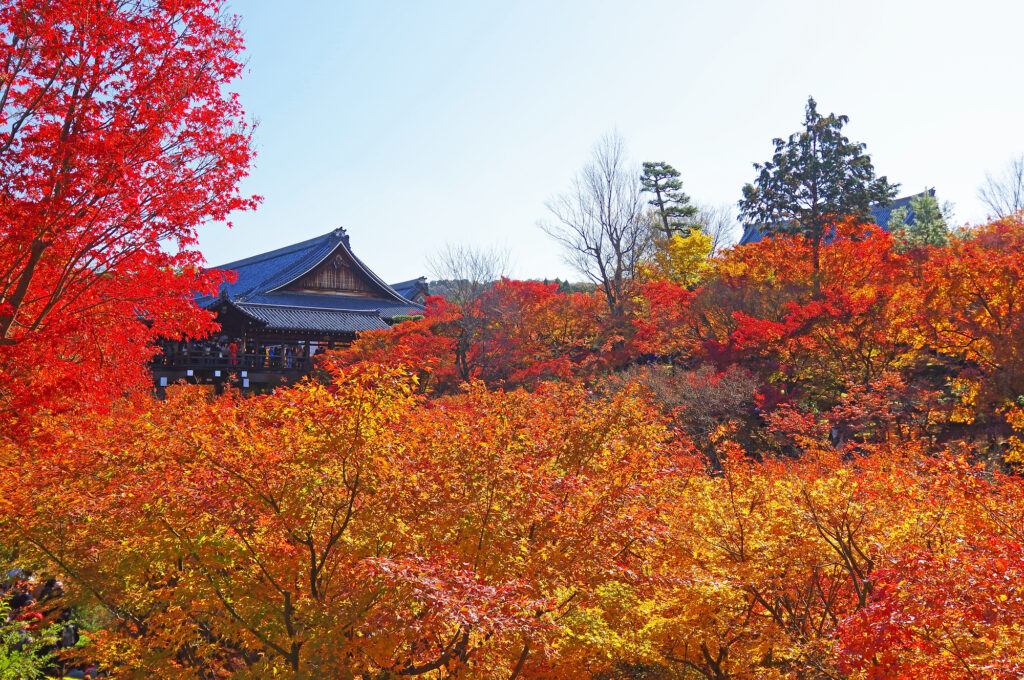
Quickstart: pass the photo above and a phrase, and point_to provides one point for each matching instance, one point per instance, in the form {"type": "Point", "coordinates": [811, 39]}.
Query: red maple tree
{"type": "Point", "coordinates": [117, 135]}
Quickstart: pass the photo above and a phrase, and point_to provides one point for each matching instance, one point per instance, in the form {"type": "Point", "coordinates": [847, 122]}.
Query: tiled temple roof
{"type": "Point", "coordinates": [261, 292]}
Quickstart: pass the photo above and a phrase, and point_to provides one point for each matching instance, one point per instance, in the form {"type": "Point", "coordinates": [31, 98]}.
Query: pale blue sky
{"type": "Point", "coordinates": [414, 124]}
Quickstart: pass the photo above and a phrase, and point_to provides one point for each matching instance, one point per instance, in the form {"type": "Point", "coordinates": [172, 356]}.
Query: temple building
{"type": "Point", "coordinates": [414, 289]}
{"type": "Point", "coordinates": [752, 233]}
{"type": "Point", "coordinates": [285, 306]}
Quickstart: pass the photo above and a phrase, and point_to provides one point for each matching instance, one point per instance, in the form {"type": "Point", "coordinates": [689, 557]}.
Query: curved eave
{"type": "Point", "coordinates": [229, 302]}
{"type": "Point", "coordinates": [310, 319]}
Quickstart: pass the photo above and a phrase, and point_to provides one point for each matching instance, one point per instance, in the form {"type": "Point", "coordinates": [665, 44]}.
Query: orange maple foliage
{"type": "Point", "coordinates": [516, 333]}
{"type": "Point", "coordinates": [350, 529]}
{"type": "Point", "coordinates": [942, 616]}
{"type": "Point", "coordinates": [858, 326]}
{"type": "Point", "coordinates": [839, 563]}
{"type": "Point", "coordinates": [973, 310]}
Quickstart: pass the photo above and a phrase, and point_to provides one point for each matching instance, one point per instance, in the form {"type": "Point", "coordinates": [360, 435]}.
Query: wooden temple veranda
{"type": "Point", "coordinates": [286, 306]}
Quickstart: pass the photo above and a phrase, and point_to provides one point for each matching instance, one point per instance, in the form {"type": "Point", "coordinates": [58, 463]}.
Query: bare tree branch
{"type": "Point", "coordinates": [600, 221]}
{"type": "Point", "coordinates": [719, 222]}
{"type": "Point", "coordinates": [466, 271]}
{"type": "Point", "coordinates": [1003, 194]}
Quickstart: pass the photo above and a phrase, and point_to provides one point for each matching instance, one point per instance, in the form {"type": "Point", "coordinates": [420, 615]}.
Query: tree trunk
{"type": "Point", "coordinates": [816, 256]}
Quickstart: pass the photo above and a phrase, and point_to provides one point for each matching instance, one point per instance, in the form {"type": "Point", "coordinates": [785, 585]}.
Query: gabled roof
{"type": "Point", "coordinates": [752, 233]}
{"type": "Point", "coordinates": [410, 288]}
{"type": "Point", "coordinates": [260, 290]}
{"type": "Point", "coordinates": [273, 270]}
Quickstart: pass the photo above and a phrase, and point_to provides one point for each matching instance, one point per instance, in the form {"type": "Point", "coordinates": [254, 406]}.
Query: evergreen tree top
{"type": "Point", "coordinates": [815, 177]}
{"type": "Point", "coordinates": [672, 206]}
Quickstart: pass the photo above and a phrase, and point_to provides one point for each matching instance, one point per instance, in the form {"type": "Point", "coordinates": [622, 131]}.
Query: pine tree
{"type": "Point", "coordinates": [672, 205]}
{"type": "Point", "coordinates": [816, 177]}
{"type": "Point", "coordinates": [928, 226]}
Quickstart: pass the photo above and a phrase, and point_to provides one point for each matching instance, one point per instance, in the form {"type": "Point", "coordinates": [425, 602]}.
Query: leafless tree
{"type": "Point", "coordinates": [719, 222]}
{"type": "Point", "coordinates": [1004, 193]}
{"type": "Point", "coordinates": [463, 272]}
{"type": "Point", "coordinates": [600, 221]}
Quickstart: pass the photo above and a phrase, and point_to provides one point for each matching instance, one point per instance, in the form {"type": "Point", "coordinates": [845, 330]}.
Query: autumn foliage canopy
{"type": "Point", "coordinates": [783, 464]}
{"type": "Point", "coordinates": [750, 479]}
{"type": "Point", "coordinates": [115, 135]}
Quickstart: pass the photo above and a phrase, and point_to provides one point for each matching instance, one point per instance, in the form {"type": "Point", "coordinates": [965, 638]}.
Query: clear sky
{"type": "Point", "coordinates": [422, 122]}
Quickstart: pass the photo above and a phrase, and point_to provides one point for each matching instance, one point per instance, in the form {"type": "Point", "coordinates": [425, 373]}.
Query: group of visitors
{"type": "Point", "coordinates": [38, 620]}
{"type": "Point", "coordinates": [212, 351]}
{"type": "Point", "coordinates": [287, 355]}
{"type": "Point", "coordinates": [237, 353]}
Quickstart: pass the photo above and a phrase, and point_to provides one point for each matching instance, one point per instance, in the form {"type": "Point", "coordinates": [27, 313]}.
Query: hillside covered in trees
{"type": "Point", "coordinates": [739, 479]}
{"type": "Point", "coordinates": [797, 458]}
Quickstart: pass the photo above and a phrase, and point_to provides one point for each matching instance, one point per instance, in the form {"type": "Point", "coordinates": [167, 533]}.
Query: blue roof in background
{"type": "Point", "coordinates": [255, 291]}
{"type": "Point", "coordinates": [409, 289]}
{"type": "Point", "coordinates": [752, 233]}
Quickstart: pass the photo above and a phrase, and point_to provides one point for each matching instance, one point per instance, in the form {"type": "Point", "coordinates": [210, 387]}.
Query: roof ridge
{"type": "Point", "coordinates": [343, 243]}
{"type": "Point", "coordinates": [409, 281]}
{"type": "Point", "coordinates": [284, 250]}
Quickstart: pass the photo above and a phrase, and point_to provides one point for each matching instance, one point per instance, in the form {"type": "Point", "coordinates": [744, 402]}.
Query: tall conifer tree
{"type": "Point", "coordinates": [672, 205]}
{"type": "Point", "coordinates": [815, 178]}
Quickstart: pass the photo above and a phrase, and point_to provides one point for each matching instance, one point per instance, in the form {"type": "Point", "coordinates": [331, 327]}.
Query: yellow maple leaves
{"type": "Point", "coordinates": [682, 259]}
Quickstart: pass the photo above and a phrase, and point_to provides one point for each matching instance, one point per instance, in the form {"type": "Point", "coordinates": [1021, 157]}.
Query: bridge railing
{"type": "Point", "coordinates": [240, 361]}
